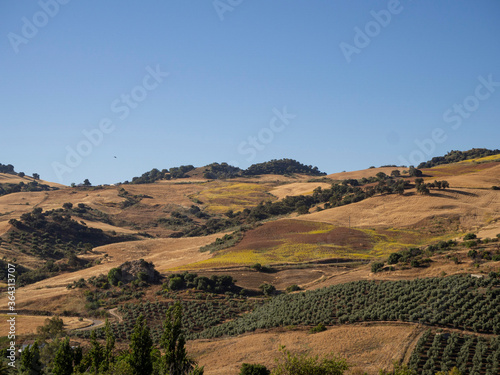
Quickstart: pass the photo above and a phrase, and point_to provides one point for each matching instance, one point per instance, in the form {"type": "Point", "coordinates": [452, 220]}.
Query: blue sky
{"type": "Point", "coordinates": [413, 70]}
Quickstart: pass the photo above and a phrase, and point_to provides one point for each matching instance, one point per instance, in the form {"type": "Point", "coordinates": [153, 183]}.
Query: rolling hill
{"type": "Point", "coordinates": [286, 230]}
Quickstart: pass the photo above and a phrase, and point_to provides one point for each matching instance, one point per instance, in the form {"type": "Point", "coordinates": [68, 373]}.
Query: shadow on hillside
{"type": "Point", "coordinates": [441, 195]}
{"type": "Point", "coordinates": [462, 192]}
{"type": "Point", "coordinates": [434, 193]}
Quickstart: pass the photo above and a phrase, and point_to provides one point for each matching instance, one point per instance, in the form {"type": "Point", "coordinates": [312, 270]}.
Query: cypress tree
{"type": "Point", "coordinates": [141, 344]}
{"type": "Point", "coordinates": [30, 361]}
{"type": "Point", "coordinates": [63, 361]}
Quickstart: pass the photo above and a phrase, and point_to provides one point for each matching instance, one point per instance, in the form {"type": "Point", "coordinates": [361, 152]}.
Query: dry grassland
{"type": "Point", "coordinates": [6, 178]}
{"type": "Point", "coordinates": [164, 253]}
{"type": "Point", "coordinates": [297, 188]}
{"type": "Point", "coordinates": [468, 175]}
{"type": "Point", "coordinates": [474, 207]}
{"type": "Point", "coordinates": [367, 347]}
{"type": "Point", "coordinates": [27, 324]}
{"type": "Point", "coordinates": [364, 173]}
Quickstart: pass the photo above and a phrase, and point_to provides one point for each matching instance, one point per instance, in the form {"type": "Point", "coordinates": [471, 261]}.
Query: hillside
{"type": "Point", "coordinates": [378, 224]}
{"type": "Point", "coordinates": [223, 171]}
{"type": "Point", "coordinates": [353, 233]}
{"type": "Point", "coordinates": [455, 156]}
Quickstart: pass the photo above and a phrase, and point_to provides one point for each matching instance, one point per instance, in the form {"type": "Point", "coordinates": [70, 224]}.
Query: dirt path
{"type": "Point", "coordinates": [116, 315]}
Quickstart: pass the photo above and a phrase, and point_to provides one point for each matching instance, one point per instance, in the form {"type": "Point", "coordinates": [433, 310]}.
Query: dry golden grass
{"type": "Point", "coordinates": [297, 188]}
{"type": "Point", "coordinates": [106, 227]}
{"type": "Point", "coordinates": [220, 196]}
{"type": "Point", "coordinates": [371, 172]}
{"type": "Point", "coordinates": [367, 347]}
{"type": "Point", "coordinates": [27, 324]}
{"type": "Point", "coordinates": [162, 198]}
{"type": "Point", "coordinates": [475, 207]}
{"type": "Point", "coordinates": [468, 175]}
{"type": "Point", "coordinates": [14, 179]}
{"type": "Point", "coordinates": [164, 253]}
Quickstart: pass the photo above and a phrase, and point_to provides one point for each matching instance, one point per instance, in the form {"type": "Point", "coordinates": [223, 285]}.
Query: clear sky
{"type": "Point", "coordinates": [155, 84]}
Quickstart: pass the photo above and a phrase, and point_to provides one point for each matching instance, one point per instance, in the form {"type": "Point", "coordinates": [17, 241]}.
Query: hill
{"type": "Point", "coordinates": [455, 156]}
{"type": "Point", "coordinates": [222, 171]}
{"type": "Point", "coordinates": [349, 234]}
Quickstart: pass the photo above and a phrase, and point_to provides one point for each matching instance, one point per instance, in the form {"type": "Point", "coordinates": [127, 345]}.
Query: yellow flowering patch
{"type": "Point", "coordinates": [482, 160]}
{"type": "Point", "coordinates": [381, 243]}
{"type": "Point", "coordinates": [223, 196]}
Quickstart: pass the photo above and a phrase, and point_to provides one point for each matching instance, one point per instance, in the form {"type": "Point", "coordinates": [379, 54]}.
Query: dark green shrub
{"type": "Point", "coordinates": [251, 369]}
{"type": "Point", "coordinates": [293, 288]}
{"type": "Point", "coordinates": [257, 267]}
{"type": "Point", "coordinates": [394, 258]}
{"type": "Point", "coordinates": [319, 328]}
{"type": "Point", "coordinates": [267, 289]}
{"type": "Point", "coordinates": [472, 254]}
{"type": "Point", "coordinates": [114, 276]}
{"type": "Point", "coordinates": [175, 283]}
{"type": "Point", "coordinates": [470, 236]}
{"type": "Point", "coordinates": [377, 266]}
{"type": "Point", "coordinates": [470, 244]}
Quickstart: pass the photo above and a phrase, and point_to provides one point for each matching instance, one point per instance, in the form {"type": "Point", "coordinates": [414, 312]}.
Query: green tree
{"type": "Point", "coordinates": [301, 364]}
{"type": "Point", "coordinates": [251, 369]}
{"type": "Point", "coordinates": [5, 369]}
{"type": "Point", "coordinates": [114, 276]}
{"type": "Point", "coordinates": [68, 206]}
{"type": "Point", "coordinates": [108, 350]}
{"type": "Point", "coordinates": [394, 258]}
{"type": "Point", "coordinates": [53, 327]}
{"type": "Point", "coordinates": [470, 236]}
{"type": "Point", "coordinates": [140, 345]}
{"type": "Point", "coordinates": [63, 360]}
{"type": "Point", "coordinates": [86, 182]}
{"type": "Point", "coordinates": [472, 254]}
{"type": "Point", "coordinates": [30, 361]}
{"type": "Point", "coordinates": [175, 283]}
{"type": "Point", "coordinates": [175, 360]}
{"type": "Point", "coordinates": [396, 173]}
{"type": "Point", "coordinates": [377, 266]}
{"type": "Point", "coordinates": [422, 189]}
{"type": "Point", "coordinates": [267, 289]}
{"type": "Point", "coordinates": [413, 172]}
{"type": "Point", "coordinates": [95, 353]}
{"type": "Point", "coordinates": [302, 209]}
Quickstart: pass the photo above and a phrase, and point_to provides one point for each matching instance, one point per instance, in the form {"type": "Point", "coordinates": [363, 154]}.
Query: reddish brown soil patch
{"type": "Point", "coordinates": [250, 279]}
{"type": "Point", "coordinates": [274, 233]}
{"type": "Point", "coordinates": [338, 236]}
